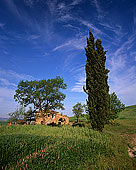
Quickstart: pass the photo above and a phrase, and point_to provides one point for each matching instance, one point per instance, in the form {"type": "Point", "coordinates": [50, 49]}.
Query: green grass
{"type": "Point", "coordinates": [74, 119]}
{"type": "Point", "coordinates": [5, 122]}
{"type": "Point", "coordinates": [67, 147]}
{"type": "Point", "coordinates": [51, 147]}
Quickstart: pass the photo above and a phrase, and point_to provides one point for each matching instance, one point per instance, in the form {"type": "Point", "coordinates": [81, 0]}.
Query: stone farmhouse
{"type": "Point", "coordinates": [52, 117]}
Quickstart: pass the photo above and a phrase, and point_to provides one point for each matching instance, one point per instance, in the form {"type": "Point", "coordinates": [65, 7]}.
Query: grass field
{"type": "Point", "coordinates": [66, 147]}
{"type": "Point", "coordinates": [5, 122]}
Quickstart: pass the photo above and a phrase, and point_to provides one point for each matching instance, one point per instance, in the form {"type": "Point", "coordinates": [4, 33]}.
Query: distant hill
{"type": "Point", "coordinates": [128, 113]}
{"type": "Point", "coordinates": [3, 119]}
{"type": "Point", "coordinates": [131, 107]}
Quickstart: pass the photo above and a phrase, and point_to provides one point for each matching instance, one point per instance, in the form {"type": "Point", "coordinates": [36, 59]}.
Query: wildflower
{"type": "Point", "coordinates": [58, 157]}
{"type": "Point", "coordinates": [26, 165]}
{"type": "Point", "coordinates": [55, 162]}
{"type": "Point", "coordinates": [51, 147]}
{"type": "Point", "coordinates": [22, 163]}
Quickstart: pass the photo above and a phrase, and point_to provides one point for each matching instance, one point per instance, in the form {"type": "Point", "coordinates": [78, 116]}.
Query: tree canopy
{"type": "Point", "coordinates": [43, 94]}
{"type": "Point", "coordinates": [116, 106]}
{"type": "Point", "coordinates": [78, 110]}
{"type": "Point", "coordinates": [18, 114]}
{"type": "Point", "coordinates": [97, 87]}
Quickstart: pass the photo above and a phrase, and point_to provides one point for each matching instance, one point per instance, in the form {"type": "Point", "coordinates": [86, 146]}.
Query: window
{"type": "Point", "coordinates": [53, 116]}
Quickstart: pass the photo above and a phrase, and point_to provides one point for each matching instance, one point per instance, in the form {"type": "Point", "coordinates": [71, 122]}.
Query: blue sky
{"type": "Point", "coordinates": [41, 39]}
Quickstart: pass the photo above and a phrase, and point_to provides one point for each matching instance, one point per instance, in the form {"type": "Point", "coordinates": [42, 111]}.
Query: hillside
{"type": "Point", "coordinates": [67, 147]}
{"type": "Point", "coordinates": [126, 123]}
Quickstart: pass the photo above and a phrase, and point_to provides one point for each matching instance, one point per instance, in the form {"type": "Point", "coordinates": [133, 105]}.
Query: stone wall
{"type": "Point", "coordinates": [51, 117]}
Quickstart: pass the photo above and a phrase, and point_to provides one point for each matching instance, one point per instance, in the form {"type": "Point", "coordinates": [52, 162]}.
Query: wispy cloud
{"type": "Point", "coordinates": [33, 37]}
{"type": "Point", "coordinates": [8, 83]}
{"type": "Point", "coordinates": [79, 75]}
{"type": "Point", "coordinates": [96, 3]}
{"type": "Point", "coordinates": [10, 74]}
{"type": "Point", "coordinates": [7, 104]}
{"type": "Point", "coordinates": [122, 76]}
{"type": "Point", "coordinates": [29, 2]}
{"type": "Point", "coordinates": [89, 25]}
{"type": "Point", "coordinates": [5, 82]}
{"type": "Point", "coordinates": [124, 84]}
{"type": "Point", "coordinates": [61, 10]}
{"type": "Point", "coordinates": [115, 28]}
{"type": "Point", "coordinates": [13, 8]}
{"type": "Point", "coordinates": [74, 43]}
{"type": "Point", "coordinates": [78, 87]}
{"type": "Point", "coordinates": [6, 93]}
{"type": "Point", "coordinates": [2, 25]}
{"type": "Point", "coordinates": [134, 17]}
{"type": "Point", "coordinates": [75, 2]}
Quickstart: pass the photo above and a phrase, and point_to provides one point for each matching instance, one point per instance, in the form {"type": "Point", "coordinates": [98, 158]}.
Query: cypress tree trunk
{"type": "Point", "coordinates": [96, 83]}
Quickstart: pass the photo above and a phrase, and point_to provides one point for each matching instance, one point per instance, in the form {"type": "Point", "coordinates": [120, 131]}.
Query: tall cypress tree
{"type": "Point", "coordinates": [96, 83]}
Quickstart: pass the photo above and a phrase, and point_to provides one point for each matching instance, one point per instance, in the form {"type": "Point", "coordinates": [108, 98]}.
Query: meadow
{"type": "Point", "coordinates": [66, 147]}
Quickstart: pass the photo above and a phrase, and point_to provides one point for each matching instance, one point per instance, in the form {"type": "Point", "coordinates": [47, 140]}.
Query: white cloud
{"type": "Point", "coordinates": [2, 25]}
{"type": "Point", "coordinates": [33, 37]}
{"type": "Point", "coordinates": [5, 82]}
{"type": "Point", "coordinates": [124, 84]}
{"type": "Point", "coordinates": [118, 62]}
{"type": "Point", "coordinates": [79, 85]}
{"type": "Point", "coordinates": [77, 43]}
{"type": "Point", "coordinates": [12, 6]}
{"type": "Point", "coordinates": [122, 76]}
{"type": "Point", "coordinates": [29, 2]}
{"type": "Point", "coordinates": [100, 12]}
{"type": "Point", "coordinates": [80, 79]}
{"type": "Point", "coordinates": [115, 28]}
{"type": "Point", "coordinates": [76, 2]}
{"type": "Point", "coordinates": [8, 83]}
{"type": "Point", "coordinates": [134, 17]}
{"type": "Point", "coordinates": [61, 10]}
{"type": "Point", "coordinates": [98, 7]}
{"type": "Point", "coordinates": [90, 25]}
{"type": "Point", "coordinates": [6, 93]}
{"type": "Point", "coordinates": [10, 74]}
{"type": "Point", "coordinates": [65, 18]}
{"type": "Point", "coordinates": [7, 104]}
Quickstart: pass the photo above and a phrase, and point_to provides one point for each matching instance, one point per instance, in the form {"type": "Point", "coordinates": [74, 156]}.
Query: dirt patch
{"type": "Point", "coordinates": [132, 150]}
{"type": "Point", "coordinates": [134, 139]}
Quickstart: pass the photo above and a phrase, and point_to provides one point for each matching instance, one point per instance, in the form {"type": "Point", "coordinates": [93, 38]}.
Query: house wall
{"type": "Point", "coordinates": [48, 119]}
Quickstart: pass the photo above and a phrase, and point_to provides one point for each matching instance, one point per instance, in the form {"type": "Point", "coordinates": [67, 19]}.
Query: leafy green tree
{"type": "Point", "coordinates": [116, 106]}
{"type": "Point", "coordinates": [43, 94]}
{"type": "Point", "coordinates": [78, 110]}
{"type": "Point", "coordinates": [18, 113]}
{"type": "Point", "coordinates": [96, 83]}
{"type": "Point", "coordinates": [29, 114]}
